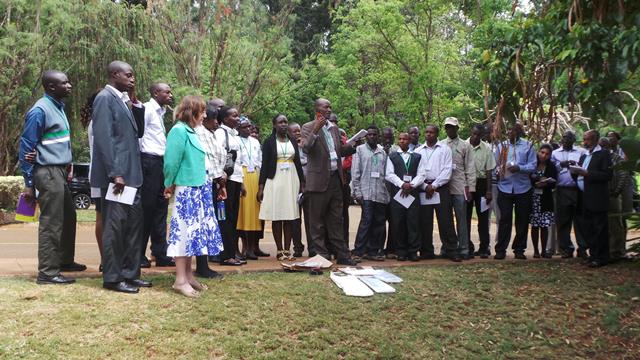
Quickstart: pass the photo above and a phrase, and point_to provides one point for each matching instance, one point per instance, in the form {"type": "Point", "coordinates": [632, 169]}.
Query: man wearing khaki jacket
{"type": "Point", "coordinates": [324, 181]}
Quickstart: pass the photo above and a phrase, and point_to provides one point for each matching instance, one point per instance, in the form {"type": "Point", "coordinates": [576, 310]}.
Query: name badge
{"type": "Point", "coordinates": [407, 178]}
{"type": "Point", "coordinates": [537, 191]}
{"type": "Point", "coordinates": [333, 155]}
{"type": "Point", "coordinates": [454, 166]}
{"type": "Point", "coordinates": [285, 166]}
{"type": "Point", "coordinates": [375, 174]}
{"type": "Point", "coordinates": [250, 169]}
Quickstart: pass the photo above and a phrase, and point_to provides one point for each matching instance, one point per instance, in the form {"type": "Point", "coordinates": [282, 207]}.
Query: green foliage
{"type": "Point", "coordinates": [10, 189]}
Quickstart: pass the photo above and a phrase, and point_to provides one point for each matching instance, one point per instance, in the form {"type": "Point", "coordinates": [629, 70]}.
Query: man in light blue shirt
{"type": "Point", "coordinates": [516, 162]}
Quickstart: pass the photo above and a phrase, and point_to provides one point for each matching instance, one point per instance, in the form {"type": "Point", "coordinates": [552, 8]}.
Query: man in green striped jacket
{"type": "Point", "coordinates": [46, 131]}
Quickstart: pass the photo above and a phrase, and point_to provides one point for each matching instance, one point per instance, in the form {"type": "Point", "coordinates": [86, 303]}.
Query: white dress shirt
{"type": "Point", "coordinates": [234, 144]}
{"type": "Point", "coordinates": [216, 155]}
{"type": "Point", "coordinates": [154, 140]}
{"type": "Point", "coordinates": [251, 153]}
{"type": "Point", "coordinates": [418, 180]}
{"type": "Point", "coordinates": [439, 163]}
{"type": "Point", "coordinates": [559, 155]}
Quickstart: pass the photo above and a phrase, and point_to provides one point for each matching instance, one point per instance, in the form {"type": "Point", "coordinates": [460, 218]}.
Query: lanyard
{"type": "Point", "coordinates": [247, 149]}
{"type": "Point", "coordinates": [407, 164]}
{"type": "Point", "coordinates": [374, 158]}
{"type": "Point", "coordinates": [284, 149]}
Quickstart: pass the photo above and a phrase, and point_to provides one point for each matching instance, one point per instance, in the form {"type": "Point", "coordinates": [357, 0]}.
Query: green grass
{"type": "Point", "coordinates": [488, 311]}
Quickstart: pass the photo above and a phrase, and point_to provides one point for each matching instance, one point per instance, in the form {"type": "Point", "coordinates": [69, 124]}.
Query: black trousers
{"type": "Point", "coordinates": [405, 224]}
{"type": "Point", "coordinates": [507, 203]}
{"type": "Point", "coordinates": [326, 220]}
{"type": "Point", "coordinates": [595, 227]}
{"type": "Point", "coordinates": [370, 236]}
{"type": "Point", "coordinates": [121, 233]}
{"type": "Point", "coordinates": [444, 215]}
{"type": "Point", "coordinates": [567, 216]}
{"type": "Point", "coordinates": [229, 225]}
{"type": "Point", "coordinates": [346, 202]}
{"type": "Point", "coordinates": [154, 206]}
{"type": "Point", "coordinates": [483, 218]}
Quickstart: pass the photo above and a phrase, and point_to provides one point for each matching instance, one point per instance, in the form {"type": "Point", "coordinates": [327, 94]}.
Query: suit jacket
{"type": "Point", "coordinates": [595, 197]}
{"type": "Point", "coordinates": [270, 159]}
{"type": "Point", "coordinates": [138, 116]}
{"type": "Point", "coordinates": [315, 146]}
{"type": "Point", "coordinates": [116, 151]}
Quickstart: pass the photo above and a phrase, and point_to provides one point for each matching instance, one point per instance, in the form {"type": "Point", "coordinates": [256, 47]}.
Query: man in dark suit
{"type": "Point", "coordinates": [116, 160]}
{"type": "Point", "coordinates": [593, 178]}
{"type": "Point", "coordinates": [325, 179]}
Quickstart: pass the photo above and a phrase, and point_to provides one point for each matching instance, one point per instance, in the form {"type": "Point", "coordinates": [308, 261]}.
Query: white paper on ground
{"type": "Point", "coordinates": [377, 285]}
{"type": "Point", "coordinates": [350, 285]}
{"type": "Point", "coordinates": [434, 200]}
{"type": "Point", "coordinates": [362, 133]}
{"type": "Point", "coordinates": [127, 195]}
{"type": "Point", "coordinates": [404, 201]}
{"type": "Point", "coordinates": [359, 270]}
{"type": "Point", "coordinates": [315, 262]}
{"type": "Point", "coordinates": [387, 277]}
{"type": "Point", "coordinates": [484, 206]}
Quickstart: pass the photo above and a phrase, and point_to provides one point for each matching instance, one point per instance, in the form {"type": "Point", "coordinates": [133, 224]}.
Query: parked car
{"type": "Point", "coordinates": [80, 187]}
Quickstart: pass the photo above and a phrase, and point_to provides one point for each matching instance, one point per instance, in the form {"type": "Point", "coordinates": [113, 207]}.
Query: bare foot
{"type": "Point", "coordinates": [186, 290]}
{"type": "Point", "coordinates": [197, 285]}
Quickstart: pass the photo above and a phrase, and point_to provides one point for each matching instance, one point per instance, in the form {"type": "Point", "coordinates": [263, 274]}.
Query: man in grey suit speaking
{"type": "Point", "coordinates": [116, 159]}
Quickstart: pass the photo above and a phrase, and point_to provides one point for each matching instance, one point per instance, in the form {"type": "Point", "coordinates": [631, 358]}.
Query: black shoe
{"type": "Point", "coordinates": [546, 255]}
{"type": "Point", "coordinates": [347, 261]}
{"type": "Point", "coordinates": [500, 256]}
{"type": "Point", "coordinates": [74, 266]}
{"type": "Point", "coordinates": [208, 274]}
{"type": "Point", "coordinates": [427, 256]}
{"type": "Point", "coordinates": [144, 263]}
{"type": "Point", "coordinates": [297, 254]}
{"type": "Point", "coordinates": [401, 258]}
{"type": "Point", "coordinates": [520, 256]}
{"type": "Point", "coordinates": [456, 258]}
{"type": "Point", "coordinates": [241, 259]}
{"type": "Point", "coordinates": [413, 257]}
{"type": "Point", "coordinates": [139, 283]}
{"type": "Point", "coordinates": [536, 255]}
{"type": "Point", "coordinates": [60, 279]}
{"type": "Point", "coordinates": [214, 259]}
{"type": "Point", "coordinates": [469, 256]}
{"type": "Point", "coordinates": [582, 253]}
{"type": "Point", "coordinates": [165, 262]}
{"type": "Point", "coordinates": [312, 254]}
{"type": "Point", "coordinates": [596, 264]}
{"type": "Point", "coordinates": [121, 286]}
{"type": "Point", "coordinates": [251, 257]}
{"type": "Point", "coordinates": [567, 255]}
{"type": "Point", "coordinates": [260, 253]}
{"type": "Point", "coordinates": [484, 255]}
{"type": "Point", "coordinates": [477, 253]}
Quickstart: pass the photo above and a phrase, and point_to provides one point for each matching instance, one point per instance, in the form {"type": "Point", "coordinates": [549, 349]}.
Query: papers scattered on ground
{"type": "Point", "coordinates": [316, 262]}
{"type": "Point", "coordinates": [364, 281]}
{"type": "Point", "coordinates": [404, 201]}
{"type": "Point", "coordinates": [127, 195]}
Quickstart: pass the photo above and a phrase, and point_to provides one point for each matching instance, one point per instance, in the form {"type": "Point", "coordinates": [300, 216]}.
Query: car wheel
{"type": "Point", "coordinates": [82, 201]}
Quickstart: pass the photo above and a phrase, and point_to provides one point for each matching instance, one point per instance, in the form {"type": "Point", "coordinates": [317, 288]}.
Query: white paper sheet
{"type": "Point", "coordinates": [404, 201]}
{"type": "Point", "coordinates": [484, 206]}
{"type": "Point", "coordinates": [377, 285]}
{"type": "Point", "coordinates": [434, 200]}
{"type": "Point", "coordinates": [350, 285]}
{"type": "Point", "coordinates": [359, 270]}
{"type": "Point", "coordinates": [575, 169]}
{"type": "Point", "coordinates": [362, 133]}
{"type": "Point", "coordinates": [387, 277]}
{"type": "Point", "coordinates": [125, 197]}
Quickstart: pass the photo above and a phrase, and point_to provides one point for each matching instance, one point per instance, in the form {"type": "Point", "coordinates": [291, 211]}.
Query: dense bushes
{"type": "Point", "coordinates": [10, 189]}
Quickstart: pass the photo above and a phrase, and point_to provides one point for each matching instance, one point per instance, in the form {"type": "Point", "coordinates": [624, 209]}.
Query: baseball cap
{"type": "Point", "coordinates": [451, 121]}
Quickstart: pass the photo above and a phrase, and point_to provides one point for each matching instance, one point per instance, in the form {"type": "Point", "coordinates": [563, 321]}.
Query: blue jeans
{"type": "Point", "coordinates": [370, 236]}
{"type": "Point", "coordinates": [460, 207]}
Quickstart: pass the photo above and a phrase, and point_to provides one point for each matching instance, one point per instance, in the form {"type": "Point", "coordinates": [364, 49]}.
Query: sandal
{"type": "Point", "coordinates": [188, 293]}
{"type": "Point", "coordinates": [288, 255]}
{"type": "Point", "coordinates": [231, 262]}
{"type": "Point", "coordinates": [281, 256]}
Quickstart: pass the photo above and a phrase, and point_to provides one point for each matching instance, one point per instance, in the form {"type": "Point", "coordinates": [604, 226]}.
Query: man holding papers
{"type": "Point", "coordinates": [405, 173]}
{"type": "Point", "coordinates": [117, 171]}
{"type": "Point", "coordinates": [436, 196]}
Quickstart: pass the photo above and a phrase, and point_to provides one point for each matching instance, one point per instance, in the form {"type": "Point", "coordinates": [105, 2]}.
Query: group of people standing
{"type": "Point", "coordinates": [225, 185]}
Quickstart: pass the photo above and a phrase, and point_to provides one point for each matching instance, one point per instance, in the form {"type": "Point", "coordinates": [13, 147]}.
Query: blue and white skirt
{"type": "Point", "coordinates": [194, 230]}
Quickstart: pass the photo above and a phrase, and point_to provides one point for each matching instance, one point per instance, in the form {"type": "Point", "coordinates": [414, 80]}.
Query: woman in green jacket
{"type": "Point", "coordinates": [193, 229]}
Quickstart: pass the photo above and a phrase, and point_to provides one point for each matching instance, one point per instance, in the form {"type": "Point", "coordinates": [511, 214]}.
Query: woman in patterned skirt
{"type": "Point", "coordinates": [543, 180]}
{"type": "Point", "coordinates": [193, 228]}
{"type": "Point", "coordinates": [281, 180]}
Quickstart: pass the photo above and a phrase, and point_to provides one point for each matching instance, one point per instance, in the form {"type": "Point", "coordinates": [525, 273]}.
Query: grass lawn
{"type": "Point", "coordinates": [489, 311]}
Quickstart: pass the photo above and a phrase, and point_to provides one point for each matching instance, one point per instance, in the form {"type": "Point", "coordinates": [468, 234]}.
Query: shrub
{"type": "Point", "coordinates": [10, 189]}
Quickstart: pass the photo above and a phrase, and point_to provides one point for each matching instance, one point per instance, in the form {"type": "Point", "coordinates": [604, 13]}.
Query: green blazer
{"type": "Point", "coordinates": [184, 158]}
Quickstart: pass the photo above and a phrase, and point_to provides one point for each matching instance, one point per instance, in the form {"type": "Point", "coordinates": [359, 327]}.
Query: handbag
{"type": "Point", "coordinates": [230, 162]}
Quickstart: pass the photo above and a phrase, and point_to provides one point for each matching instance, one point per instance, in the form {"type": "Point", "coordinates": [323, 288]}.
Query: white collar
{"type": "Point", "coordinates": [233, 131]}
{"type": "Point", "coordinates": [122, 95]}
{"type": "Point", "coordinates": [153, 105]}
{"type": "Point", "coordinates": [595, 149]}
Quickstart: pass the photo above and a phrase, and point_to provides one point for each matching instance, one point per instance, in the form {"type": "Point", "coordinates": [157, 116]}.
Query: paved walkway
{"type": "Point", "coordinates": [18, 250]}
